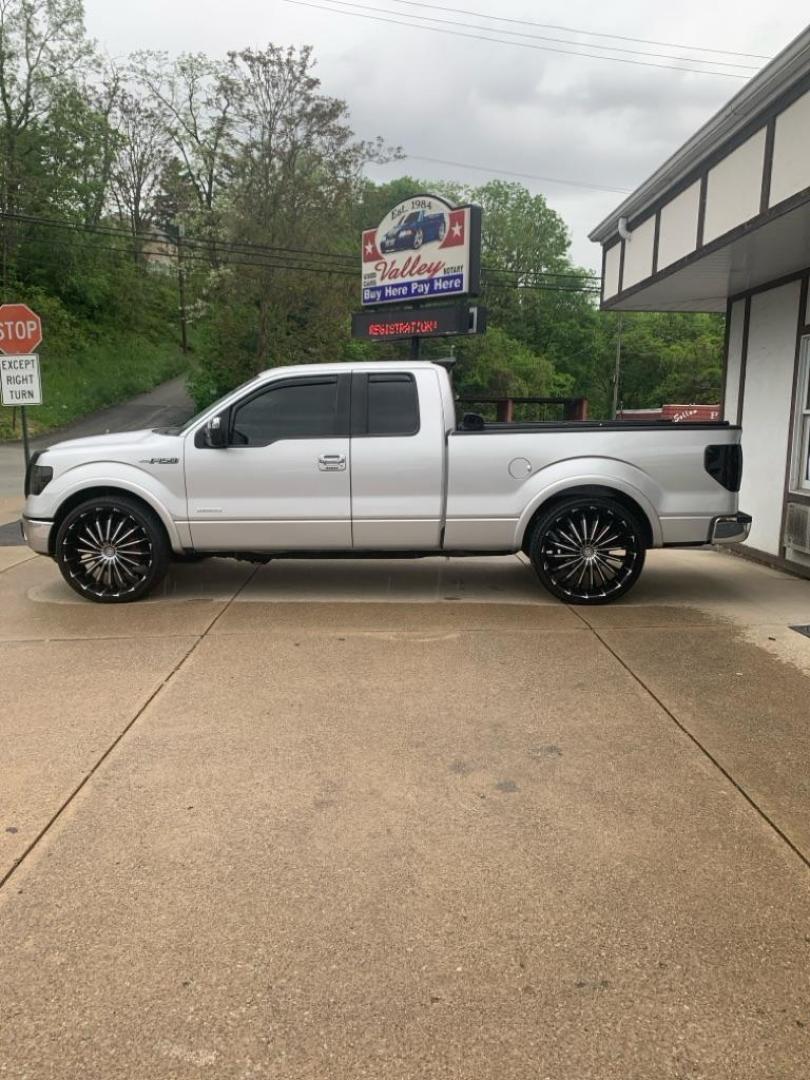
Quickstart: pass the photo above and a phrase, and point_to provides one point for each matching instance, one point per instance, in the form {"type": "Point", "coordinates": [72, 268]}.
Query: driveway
{"type": "Point", "coordinates": [405, 820]}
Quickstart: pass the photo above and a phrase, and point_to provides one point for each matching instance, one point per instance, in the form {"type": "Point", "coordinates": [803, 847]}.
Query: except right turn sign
{"type": "Point", "coordinates": [19, 380]}
{"type": "Point", "coordinates": [20, 334]}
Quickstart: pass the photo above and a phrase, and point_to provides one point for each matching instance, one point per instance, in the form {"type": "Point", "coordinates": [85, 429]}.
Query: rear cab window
{"type": "Point", "coordinates": [392, 404]}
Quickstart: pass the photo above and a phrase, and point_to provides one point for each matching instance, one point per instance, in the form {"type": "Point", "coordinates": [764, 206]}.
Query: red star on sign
{"type": "Point", "coordinates": [456, 230]}
{"type": "Point", "coordinates": [370, 252]}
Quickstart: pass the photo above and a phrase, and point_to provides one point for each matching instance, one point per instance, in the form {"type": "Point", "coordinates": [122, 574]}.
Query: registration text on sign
{"type": "Point", "coordinates": [19, 380]}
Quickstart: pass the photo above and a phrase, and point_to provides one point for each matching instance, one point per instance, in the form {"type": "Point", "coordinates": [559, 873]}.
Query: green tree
{"type": "Point", "coordinates": [197, 99]}
{"type": "Point", "coordinates": [42, 47]}
{"type": "Point", "coordinates": [294, 181]}
{"type": "Point", "coordinates": [668, 358]}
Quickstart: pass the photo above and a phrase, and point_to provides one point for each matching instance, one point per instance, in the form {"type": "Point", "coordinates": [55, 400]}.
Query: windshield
{"type": "Point", "coordinates": [181, 429]}
{"type": "Point", "coordinates": [411, 219]}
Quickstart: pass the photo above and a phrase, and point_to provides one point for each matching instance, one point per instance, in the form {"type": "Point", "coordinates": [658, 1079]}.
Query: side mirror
{"type": "Point", "coordinates": [215, 432]}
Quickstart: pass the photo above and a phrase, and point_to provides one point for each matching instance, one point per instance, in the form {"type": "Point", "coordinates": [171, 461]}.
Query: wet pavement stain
{"type": "Point", "coordinates": [506, 786]}
{"type": "Point", "coordinates": [549, 751]}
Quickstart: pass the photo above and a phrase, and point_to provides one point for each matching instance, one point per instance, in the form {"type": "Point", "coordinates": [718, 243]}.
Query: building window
{"type": "Point", "coordinates": [801, 428]}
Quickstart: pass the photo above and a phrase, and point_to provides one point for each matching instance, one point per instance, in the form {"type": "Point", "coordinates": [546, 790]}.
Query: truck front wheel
{"type": "Point", "coordinates": [587, 550]}
{"type": "Point", "coordinates": [112, 550]}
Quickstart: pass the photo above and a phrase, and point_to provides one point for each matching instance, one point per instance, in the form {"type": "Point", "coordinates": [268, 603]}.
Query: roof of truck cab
{"type": "Point", "coordinates": [355, 365]}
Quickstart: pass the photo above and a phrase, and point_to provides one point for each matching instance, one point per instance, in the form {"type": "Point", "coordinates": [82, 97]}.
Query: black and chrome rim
{"type": "Point", "coordinates": [107, 552]}
{"type": "Point", "coordinates": [589, 552]}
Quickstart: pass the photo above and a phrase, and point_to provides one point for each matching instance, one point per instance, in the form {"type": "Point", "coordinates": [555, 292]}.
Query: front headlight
{"type": "Point", "coordinates": [39, 476]}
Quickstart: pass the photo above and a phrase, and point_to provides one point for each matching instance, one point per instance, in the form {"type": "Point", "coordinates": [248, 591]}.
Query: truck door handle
{"type": "Point", "coordinates": [332, 463]}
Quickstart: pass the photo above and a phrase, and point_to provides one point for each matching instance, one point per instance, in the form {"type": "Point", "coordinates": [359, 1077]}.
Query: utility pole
{"type": "Point", "coordinates": [181, 285]}
{"type": "Point", "coordinates": [618, 371]}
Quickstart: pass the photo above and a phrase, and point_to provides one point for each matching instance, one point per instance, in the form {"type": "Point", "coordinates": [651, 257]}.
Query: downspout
{"type": "Point", "coordinates": [625, 234]}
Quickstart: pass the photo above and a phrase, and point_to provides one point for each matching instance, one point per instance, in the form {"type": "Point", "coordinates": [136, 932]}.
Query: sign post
{"type": "Point", "coordinates": [424, 250]}
{"type": "Point", "coordinates": [20, 384]}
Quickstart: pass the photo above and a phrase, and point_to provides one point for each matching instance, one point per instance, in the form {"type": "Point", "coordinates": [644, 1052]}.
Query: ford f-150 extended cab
{"type": "Point", "coordinates": [369, 459]}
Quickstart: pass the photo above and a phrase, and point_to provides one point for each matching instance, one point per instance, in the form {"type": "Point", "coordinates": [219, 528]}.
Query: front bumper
{"type": "Point", "coordinates": [37, 534]}
{"type": "Point", "coordinates": [730, 529]}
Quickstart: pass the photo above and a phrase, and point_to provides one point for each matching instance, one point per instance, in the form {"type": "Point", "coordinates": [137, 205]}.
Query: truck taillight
{"type": "Point", "coordinates": [724, 464]}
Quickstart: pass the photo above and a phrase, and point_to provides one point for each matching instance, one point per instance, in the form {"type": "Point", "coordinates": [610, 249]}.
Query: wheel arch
{"type": "Point", "coordinates": [106, 491]}
{"type": "Point", "coordinates": [645, 515]}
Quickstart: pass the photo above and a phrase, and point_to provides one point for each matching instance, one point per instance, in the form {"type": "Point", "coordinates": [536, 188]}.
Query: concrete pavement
{"type": "Point", "coordinates": [405, 819]}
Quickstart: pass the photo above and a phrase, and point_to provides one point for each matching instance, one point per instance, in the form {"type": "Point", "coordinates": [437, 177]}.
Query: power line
{"type": "Point", "coordinates": [293, 256]}
{"type": "Point", "coordinates": [517, 44]}
{"type": "Point", "coordinates": [520, 277]}
{"type": "Point", "coordinates": [541, 37]}
{"type": "Point", "coordinates": [200, 259]}
{"type": "Point", "coordinates": [162, 237]}
{"type": "Point", "coordinates": [588, 33]}
{"type": "Point", "coordinates": [527, 283]}
{"type": "Point", "coordinates": [521, 175]}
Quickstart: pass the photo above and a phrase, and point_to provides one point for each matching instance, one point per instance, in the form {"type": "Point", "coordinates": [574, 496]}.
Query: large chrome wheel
{"type": "Point", "coordinates": [588, 550]}
{"type": "Point", "coordinates": [112, 550]}
{"type": "Point", "coordinates": [418, 239]}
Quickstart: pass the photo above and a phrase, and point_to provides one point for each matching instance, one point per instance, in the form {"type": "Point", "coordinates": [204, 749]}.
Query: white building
{"type": "Point", "coordinates": [724, 225]}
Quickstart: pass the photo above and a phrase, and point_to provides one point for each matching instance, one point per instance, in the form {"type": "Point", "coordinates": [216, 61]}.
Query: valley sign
{"type": "Point", "coordinates": [424, 249]}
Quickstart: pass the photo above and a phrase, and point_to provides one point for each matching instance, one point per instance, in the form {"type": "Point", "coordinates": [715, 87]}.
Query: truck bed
{"type": "Point", "coordinates": [499, 474]}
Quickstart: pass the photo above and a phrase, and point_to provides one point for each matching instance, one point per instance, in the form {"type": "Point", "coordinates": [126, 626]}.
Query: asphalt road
{"type": "Point", "coordinates": [165, 405]}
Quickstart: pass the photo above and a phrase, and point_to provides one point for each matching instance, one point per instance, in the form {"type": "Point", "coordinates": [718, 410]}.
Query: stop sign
{"type": "Point", "coordinates": [20, 329]}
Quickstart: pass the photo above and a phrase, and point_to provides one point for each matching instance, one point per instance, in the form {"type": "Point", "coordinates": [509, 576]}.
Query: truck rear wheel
{"type": "Point", "coordinates": [112, 550]}
{"type": "Point", "coordinates": [587, 550]}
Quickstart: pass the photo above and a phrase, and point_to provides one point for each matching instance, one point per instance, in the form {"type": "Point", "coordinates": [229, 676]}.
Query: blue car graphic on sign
{"type": "Point", "coordinates": [413, 230]}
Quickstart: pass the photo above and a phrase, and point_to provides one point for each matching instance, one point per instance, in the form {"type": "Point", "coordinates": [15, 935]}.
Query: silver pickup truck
{"type": "Point", "coordinates": [370, 460]}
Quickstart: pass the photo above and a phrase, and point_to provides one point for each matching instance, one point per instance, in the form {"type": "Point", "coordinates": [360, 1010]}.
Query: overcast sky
{"type": "Point", "coordinates": [499, 106]}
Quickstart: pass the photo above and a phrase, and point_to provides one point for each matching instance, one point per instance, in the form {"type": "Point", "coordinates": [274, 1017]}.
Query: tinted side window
{"type": "Point", "coordinates": [393, 405]}
{"type": "Point", "coordinates": [295, 411]}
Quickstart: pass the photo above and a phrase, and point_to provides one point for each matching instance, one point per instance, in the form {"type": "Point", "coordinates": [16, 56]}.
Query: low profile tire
{"type": "Point", "coordinates": [588, 550]}
{"type": "Point", "coordinates": [112, 550]}
{"type": "Point", "coordinates": [418, 239]}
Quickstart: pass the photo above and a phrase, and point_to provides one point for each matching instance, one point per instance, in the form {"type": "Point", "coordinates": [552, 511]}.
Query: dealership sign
{"type": "Point", "coordinates": [424, 249]}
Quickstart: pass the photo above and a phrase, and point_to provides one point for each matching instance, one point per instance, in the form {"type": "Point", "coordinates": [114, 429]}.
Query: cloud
{"type": "Point", "coordinates": [495, 105]}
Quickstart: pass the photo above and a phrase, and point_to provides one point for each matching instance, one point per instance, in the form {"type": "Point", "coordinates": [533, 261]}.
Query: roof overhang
{"type": "Point", "coordinates": [755, 98]}
{"type": "Point", "coordinates": [770, 248]}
